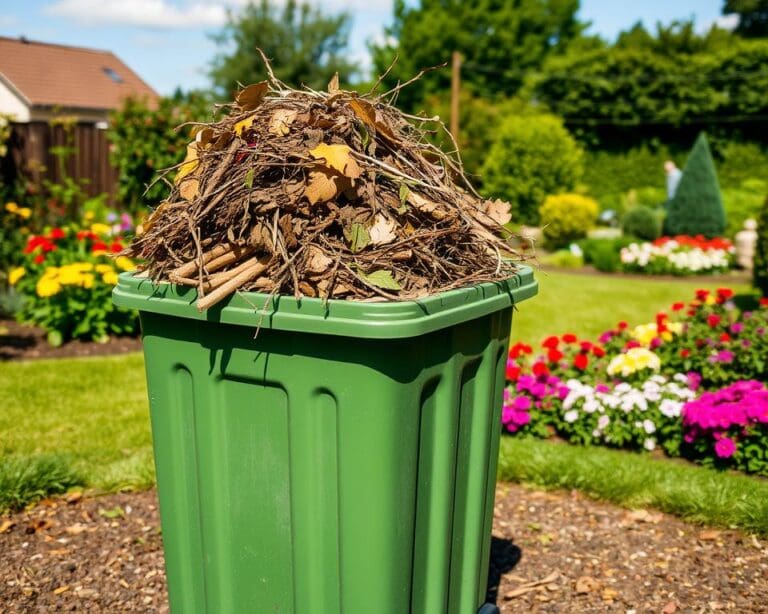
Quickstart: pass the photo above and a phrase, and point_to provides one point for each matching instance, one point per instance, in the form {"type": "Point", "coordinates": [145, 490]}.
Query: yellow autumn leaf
{"type": "Point", "coordinates": [190, 163]}
{"type": "Point", "coordinates": [244, 124]}
{"type": "Point", "coordinates": [324, 185]}
{"type": "Point", "coordinates": [338, 158]}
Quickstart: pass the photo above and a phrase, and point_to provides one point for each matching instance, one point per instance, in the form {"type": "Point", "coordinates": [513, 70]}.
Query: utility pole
{"type": "Point", "coordinates": [455, 88]}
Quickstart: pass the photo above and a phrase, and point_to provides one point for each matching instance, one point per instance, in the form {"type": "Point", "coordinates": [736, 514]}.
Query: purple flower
{"type": "Point", "coordinates": [737, 327]}
{"type": "Point", "coordinates": [605, 337]}
{"type": "Point", "coordinates": [694, 380]}
{"type": "Point", "coordinates": [721, 356]}
{"type": "Point", "coordinates": [111, 216]}
{"type": "Point", "coordinates": [521, 403]}
{"type": "Point", "coordinates": [725, 447]}
{"type": "Point", "coordinates": [602, 388]}
{"type": "Point", "coordinates": [746, 343]}
{"type": "Point", "coordinates": [760, 330]}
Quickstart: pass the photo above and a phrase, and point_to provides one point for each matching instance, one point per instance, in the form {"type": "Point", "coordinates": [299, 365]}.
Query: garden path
{"type": "Point", "coordinates": [552, 552]}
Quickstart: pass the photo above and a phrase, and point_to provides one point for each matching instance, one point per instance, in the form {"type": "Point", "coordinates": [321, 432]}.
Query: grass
{"type": "Point", "coordinates": [586, 305]}
{"type": "Point", "coordinates": [90, 410]}
{"type": "Point", "coordinates": [25, 479]}
{"type": "Point", "coordinates": [633, 480]}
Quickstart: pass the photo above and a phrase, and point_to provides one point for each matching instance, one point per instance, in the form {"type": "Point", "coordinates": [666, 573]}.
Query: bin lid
{"type": "Point", "coordinates": [372, 320]}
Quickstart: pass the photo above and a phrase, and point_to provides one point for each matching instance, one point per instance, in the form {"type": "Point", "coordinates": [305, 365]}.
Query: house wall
{"type": "Point", "coordinates": [10, 103]}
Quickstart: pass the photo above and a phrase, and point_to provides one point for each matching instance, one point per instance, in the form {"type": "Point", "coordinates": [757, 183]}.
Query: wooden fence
{"type": "Point", "coordinates": [31, 145]}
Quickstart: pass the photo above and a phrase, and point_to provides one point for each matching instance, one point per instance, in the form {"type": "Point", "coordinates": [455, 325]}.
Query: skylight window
{"type": "Point", "coordinates": [112, 75]}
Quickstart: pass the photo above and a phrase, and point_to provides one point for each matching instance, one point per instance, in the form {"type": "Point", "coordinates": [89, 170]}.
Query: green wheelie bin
{"type": "Point", "coordinates": [326, 457]}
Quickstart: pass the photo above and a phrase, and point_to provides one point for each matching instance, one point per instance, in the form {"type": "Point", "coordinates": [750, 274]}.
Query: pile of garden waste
{"type": "Point", "coordinates": [321, 194]}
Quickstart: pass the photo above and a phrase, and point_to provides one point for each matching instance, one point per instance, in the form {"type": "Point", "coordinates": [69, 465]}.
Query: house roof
{"type": "Point", "coordinates": [44, 74]}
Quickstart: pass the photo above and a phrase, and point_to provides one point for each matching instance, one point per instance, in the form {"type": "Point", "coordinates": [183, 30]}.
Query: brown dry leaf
{"type": "Point", "coordinates": [60, 590]}
{"type": "Point", "coordinates": [497, 210]}
{"type": "Point", "coordinates": [205, 136]}
{"type": "Point", "coordinates": [333, 84]}
{"type": "Point", "coordinates": [189, 188]}
{"type": "Point", "coordinates": [338, 158]}
{"type": "Point", "coordinates": [251, 97]}
{"type": "Point", "coordinates": [74, 496]}
{"type": "Point", "coordinates": [367, 114]}
{"type": "Point", "coordinates": [244, 124]}
{"type": "Point", "coordinates": [609, 594]}
{"type": "Point", "coordinates": [644, 516]}
{"type": "Point", "coordinates": [421, 203]}
{"type": "Point", "coordinates": [587, 584]}
{"type": "Point", "coordinates": [382, 231]}
{"type": "Point", "coordinates": [317, 261]}
{"type": "Point", "coordinates": [323, 185]}
{"type": "Point", "coordinates": [76, 529]}
{"type": "Point", "coordinates": [670, 608]}
{"type": "Point", "coordinates": [190, 163]}
{"type": "Point", "coordinates": [710, 535]}
{"type": "Point", "coordinates": [6, 526]}
{"type": "Point", "coordinates": [281, 120]}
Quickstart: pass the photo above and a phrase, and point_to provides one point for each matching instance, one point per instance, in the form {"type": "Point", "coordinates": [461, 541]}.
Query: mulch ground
{"type": "Point", "coordinates": [552, 552]}
{"type": "Point", "coordinates": [21, 342]}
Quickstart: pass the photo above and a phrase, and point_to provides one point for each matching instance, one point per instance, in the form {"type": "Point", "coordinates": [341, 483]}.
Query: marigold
{"type": "Point", "coordinates": [126, 264]}
{"type": "Point", "coordinates": [110, 278]}
{"type": "Point", "coordinates": [47, 286]}
{"type": "Point", "coordinates": [11, 207]}
{"type": "Point", "coordinates": [100, 229]}
{"type": "Point", "coordinates": [15, 275]}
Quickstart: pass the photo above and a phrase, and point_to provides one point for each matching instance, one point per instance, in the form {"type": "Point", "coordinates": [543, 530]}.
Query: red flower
{"type": "Point", "coordinates": [702, 294]}
{"type": "Point", "coordinates": [622, 325]}
{"type": "Point", "coordinates": [550, 342]}
{"type": "Point", "coordinates": [598, 351]}
{"type": "Point", "coordinates": [585, 346]}
{"type": "Point", "coordinates": [85, 234]}
{"type": "Point", "coordinates": [99, 246]}
{"type": "Point", "coordinates": [569, 338]}
{"type": "Point", "coordinates": [632, 343]}
{"type": "Point", "coordinates": [764, 301]}
{"type": "Point", "coordinates": [115, 247]}
{"type": "Point", "coordinates": [725, 337]}
{"type": "Point", "coordinates": [685, 353]}
{"type": "Point", "coordinates": [39, 259]}
{"type": "Point", "coordinates": [581, 361]}
{"type": "Point", "coordinates": [56, 233]}
{"type": "Point", "coordinates": [513, 371]}
{"type": "Point", "coordinates": [678, 306]}
{"type": "Point", "coordinates": [699, 342]}
{"type": "Point", "coordinates": [519, 349]}
{"type": "Point", "coordinates": [540, 369]}
{"type": "Point", "coordinates": [713, 320]}
{"type": "Point", "coordinates": [724, 293]}
{"type": "Point", "coordinates": [554, 355]}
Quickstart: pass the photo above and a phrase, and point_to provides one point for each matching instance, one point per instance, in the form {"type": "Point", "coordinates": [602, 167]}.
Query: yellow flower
{"type": "Point", "coordinates": [100, 229]}
{"type": "Point", "coordinates": [104, 268]}
{"type": "Point", "coordinates": [11, 207]}
{"type": "Point", "coordinates": [47, 287]}
{"type": "Point", "coordinates": [124, 263]}
{"type": "Point", "coordinates": [24, 212]}
{"type": "Point", "coordinates": [110, 278]}
{"type": "Point", "coordinates": [15, 275]}
{"type": "Point", "coordinates": [633, 360]}
{"type": "Point", "coordinates": [88, 216]}
{"type": "Point", "coordinates": [710, 300]}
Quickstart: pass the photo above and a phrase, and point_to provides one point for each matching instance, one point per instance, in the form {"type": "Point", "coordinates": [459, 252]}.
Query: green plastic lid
{"type": "Point", "coordinates": [385, 320]}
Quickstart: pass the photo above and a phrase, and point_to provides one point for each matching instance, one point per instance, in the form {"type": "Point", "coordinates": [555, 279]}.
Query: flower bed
{"type": "Point", "coordinates": [680, 255]}
{"type": "Point", "coordinates": [688, 383]}
{"type": "Point", "coordinates": [66, 280]}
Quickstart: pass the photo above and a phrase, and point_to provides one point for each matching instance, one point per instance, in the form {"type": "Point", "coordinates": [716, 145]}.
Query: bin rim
{"type": "Point", "coordinates": [372, 320]}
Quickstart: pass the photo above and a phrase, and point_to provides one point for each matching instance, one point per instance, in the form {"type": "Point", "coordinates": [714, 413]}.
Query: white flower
{"type": "Point", "coordinates": [670, 408]}
{"type": "Point", "coordinates": [591, 406]}
{"type": "Point", "coordinates": [649, 444]}
{"type": "Point", "coordinates": [571, 416]}
{"type": "Point", "coordinates": [603, 421]}
{"type": "Point", "coordinates": [649, 426]}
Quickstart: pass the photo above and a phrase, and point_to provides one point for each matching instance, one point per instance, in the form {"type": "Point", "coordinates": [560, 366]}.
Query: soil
{"type": "Point", "coordinates": [551, 552]}
{"type": "Point", "coordinates": [21, 342]}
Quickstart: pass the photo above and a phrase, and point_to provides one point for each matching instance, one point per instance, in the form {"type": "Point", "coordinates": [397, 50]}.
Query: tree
{"type": "Point", "coordinates": [753, 16]}
{"type": "Point", "coordinates": [697, 206]}
{"type": "Point", "coordinates": [304, 45]}
{"type": "Point", "coordinates": [499, 41]}
{"type": "Point", "coordinates": [533, 156]}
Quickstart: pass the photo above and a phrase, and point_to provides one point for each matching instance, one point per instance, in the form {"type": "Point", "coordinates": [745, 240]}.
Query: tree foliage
{"type": "Point", "coordinates": [753, 16]}
{"type": "Point", "coordinates": [697, 206]}
{"type": "Point", "coordinates": [533, 156]}
{"type": "Point", "coordinates": [760, 267]}
{"type": "Point", "coordinates": [305, 46]}
{"type": "Point", "coordinates": [499, 41]}
{"type": "Point", "coordinates": [144, 140]}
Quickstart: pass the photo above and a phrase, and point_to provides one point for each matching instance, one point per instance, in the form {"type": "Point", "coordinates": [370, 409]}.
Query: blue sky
{"type": "Point", "coordinates": [167, 43]}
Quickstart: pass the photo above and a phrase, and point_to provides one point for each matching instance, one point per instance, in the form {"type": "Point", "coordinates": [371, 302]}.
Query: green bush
{"type": "Point", "coordinates": [26, 479]}
{"type": "Point", "coordinates": [604, 254]}
{"type": "Point", "coordinates": [566, 218]}
{"type": "Point", "coordinates": [565, 259]}
{"type": "Point", "coordinates": [531, 157]}
{"type": "Point", "coordinates": [760, 271]}
{"type": "Point", "coordinates": [743, 203]}
{"type": "Point", "coordinates": [697, 206]}
{"type": "Point", "coordinates": [145, 140]}
{"type": "Point", "coordinates": [641, 222]}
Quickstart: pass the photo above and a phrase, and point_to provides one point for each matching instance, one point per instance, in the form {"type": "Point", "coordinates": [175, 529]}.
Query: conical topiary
{"type": "Point", "coordinates": [697, 206]}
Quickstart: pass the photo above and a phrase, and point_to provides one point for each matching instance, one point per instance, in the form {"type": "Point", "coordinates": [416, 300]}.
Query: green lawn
{"type": "Point", "coordinates": [586, 305]}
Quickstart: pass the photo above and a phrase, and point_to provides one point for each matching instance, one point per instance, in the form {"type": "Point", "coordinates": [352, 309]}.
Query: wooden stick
{"type": "Point", "coordinates": [235, 255]}
{"type": "Point", "coordinates": [254, 268]}
{"type": "Point", "coordinates": [185, 270]}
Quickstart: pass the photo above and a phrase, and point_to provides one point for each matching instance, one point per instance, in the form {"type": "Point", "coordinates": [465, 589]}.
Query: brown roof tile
{"type": "Point", "coordinates": [56, 75]}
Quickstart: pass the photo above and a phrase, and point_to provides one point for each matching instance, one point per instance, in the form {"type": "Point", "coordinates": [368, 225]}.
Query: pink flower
{"type": "Point", "coordinates": [725, 447]}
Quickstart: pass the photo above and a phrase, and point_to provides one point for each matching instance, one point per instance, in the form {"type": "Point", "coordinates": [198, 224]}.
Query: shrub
{"type": "Point", "coordinates": [641, 222]}
{"type": "Point", "coordinates": [760, 267]}
{"type": "Point", "coordinates": [565, 259]}
{"type": "Point", "coordinates": [697, 206]}
{"type": "Point", "coordinates": [743, 203]}
{"type": "Point", "coordinates": [14, 226]}
{"type": "Point", "coordinates": [604, 254]}
{"type": "Point", "coordinates": [145, 140]}
{"type": "Point", "coordinates": [532, 156]}
{"type": "Point", "coordinates": [66, 281]}
{"type": "Point", "coordinates": [24, 480]}
{"type": "Point", "coordinates": [567, 218]}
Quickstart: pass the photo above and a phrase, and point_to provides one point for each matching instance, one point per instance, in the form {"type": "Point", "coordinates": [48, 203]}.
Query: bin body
{"type": "Point", "coordinates": [318, 472]}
